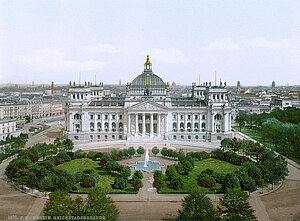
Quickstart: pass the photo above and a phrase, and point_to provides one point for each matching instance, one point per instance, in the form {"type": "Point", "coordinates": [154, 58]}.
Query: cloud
{"type": "Point", "coordinates": [167, 55]}
{"type": "Point", "coordinates": [264, 43]}
{"type": "Point", "coordinates": [223, 44]}
{"type": "Point", "coordinates": [102, 48]}
{"type": "Point", "coordinates": [53, 60]}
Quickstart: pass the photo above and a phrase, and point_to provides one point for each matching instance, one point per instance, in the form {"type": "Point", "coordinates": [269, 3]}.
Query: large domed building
{"type": "Point", "coordinates": [147, 112]}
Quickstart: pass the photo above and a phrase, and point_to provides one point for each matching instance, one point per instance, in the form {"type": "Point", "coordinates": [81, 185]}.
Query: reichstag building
{"type": "Point", "coordinates": [148, 112]}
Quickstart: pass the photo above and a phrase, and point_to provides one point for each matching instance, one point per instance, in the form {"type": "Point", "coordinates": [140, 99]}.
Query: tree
{"type": "Point", "coordinates": [186, 166]}
{"type": "Point", "coordinates": [197, 206]}
{"type": "Point", "coordinates": [125, 172]}
{"type": "Point", "coordinates": [164, 151]}
{"type": "Point", "coordinates": [155, 150]}
{"type": "Point", "coordinates": [98, 204]}
{"type": "Point", "coordinates": [207, 181]}
{"type": "Point", "coordinates": [241, 119]}
{"type": "Point", "coordinates": [176, 182]}
{"type": "Point", "coordinates": [157, 173]}
{"type": "Point", "coordinates": [140, 150]}
{"type": "Point", "coordinates": [120, 183]}
{"type": "Point", "coordinates": [27, 119]}
{"type": "Point", "coordinates": [131, 151]}
{"type": "Point", "coordinates": [247, 183]}
{"type": "Point", "coordinates": [58, 205]}
{"type": "Point", "coordinates": [234, 206]}
{"type": "Point", "coordinates": [226, 143]}
{"type": "Point", "coordinates": [137, 184]}
{"type": "Point", "coordinates": [137, 174]}
{"type": "Point", "coordinates": [68, 145]}
{"type": "Point", "coordinates": [230, 181]}
{"type": "Point", "coordinates": [170, 171]}
{"type": "Point", "coordinates": [88, 182]}
{"type": "Point", "coordinates": [158, 183]}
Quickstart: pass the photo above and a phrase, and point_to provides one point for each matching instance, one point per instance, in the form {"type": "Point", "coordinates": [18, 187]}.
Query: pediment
{"type": "Point", "coordinates": [147, 105]}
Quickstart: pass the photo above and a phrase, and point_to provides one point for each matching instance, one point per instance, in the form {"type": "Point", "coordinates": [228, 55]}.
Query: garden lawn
{"type": "Point", "coordinates": [190, 180]}
{"type": "Point", "coordinates": [105, 179]}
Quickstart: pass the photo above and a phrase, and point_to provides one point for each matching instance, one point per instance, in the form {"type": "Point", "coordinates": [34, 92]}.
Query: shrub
{"type": "Point", "coordinates": [71, 154]}
{"type": "Point", "coordinates": [155, 150]}
{"type": "Point", "coordinates": [207, 181]}
{"type": "Point", "coordinates": [125, 172]}
{"type": "Point", "coordinates": [176, 182]}
{"type": "Point", "coordinates": [120, 183]}
{"type": "Point", "coordinates": [131, 151]}
{"type": "Point", "coordinates": [230, 157]}
{"type": "Point", "coordinates": [91, 154]}
{"type": "Point", "coordinates": [157, 173]}
{"type": "Point", "coordinates": [170, 171]}
{"type": "Point", "coordinates": [63, 156]}
{"type": "Point", "coordinates": [137, 184]}
{"type": "Point", "coordinates": [78, 176]}
{"type": "Point", "coordinates": [217, 154]}
{"type": "Point", "coordinates": [79, 154]}
{"type": "Point", "coordinates": [158, 182]}
{"type": "Point", "coordinates": [140, 150]}
{"type": "Point", "coordinates": [240, 160]}
{"type": "Point", "coordinates": [98, 155]}
{"type": "Point", "coordinates": [230, 181]}
{"type": "Point", "coordinates": [219, 177]}
{"type": "Point", "coordinates": [164, 151]}
{"type": "Point", "coordinates": [209, 172]}
{"type": "Point", "coordinates": [137, 174]}
{"type": "Point", "coordinates": [88, 182]}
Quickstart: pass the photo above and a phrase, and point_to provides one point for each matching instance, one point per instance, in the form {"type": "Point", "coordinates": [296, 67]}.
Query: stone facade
{"type": "Point", "coordinates": [147, 112]}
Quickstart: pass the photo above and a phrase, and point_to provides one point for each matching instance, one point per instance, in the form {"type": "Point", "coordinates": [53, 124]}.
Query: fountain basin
{"type": "Point", "coordinates": [151, 165]}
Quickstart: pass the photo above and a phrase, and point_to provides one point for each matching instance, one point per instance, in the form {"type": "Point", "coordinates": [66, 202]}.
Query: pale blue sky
{"type": "Point", "coordinates": [251, 41]}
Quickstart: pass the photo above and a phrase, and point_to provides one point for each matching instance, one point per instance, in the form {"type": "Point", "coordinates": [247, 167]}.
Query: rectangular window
{"type": "Point", "coordinates": [196, 117]}
{"type": "Point", "coordinates": [174, 137]}
{"type": "Point", "coordinates": [120, 116]}
{"type": "Point", "coordinates": [91, 117]}
{"type": "Point", "coordinates": [203, 117]}
{"type": "Point", "coordinates": [99, 116]}
{"type": "Point", "coordinates": [189, 117]}
{"type": "Point", "coordinates": [98, 137]}
{"type": "Point", "coordinates": [113, 116]}
{"type": "Point", "coordinates": [181, 117]}
{"type": "Point", "coordinates": [174, 116]}
{"type": "Point", "coordinates": [106, 116]}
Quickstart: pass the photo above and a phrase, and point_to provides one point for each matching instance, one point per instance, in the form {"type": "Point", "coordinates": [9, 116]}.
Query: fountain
{"type": "Point", "coordinates": [146, 158]}
{"type": "Point", "coordinates": [147, 165]}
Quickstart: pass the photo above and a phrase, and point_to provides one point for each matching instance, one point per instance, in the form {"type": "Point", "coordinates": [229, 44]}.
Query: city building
{"type": "Point", "coordinates": [7, 128]}
{"type": "Point", "coordinates": [147, 112]}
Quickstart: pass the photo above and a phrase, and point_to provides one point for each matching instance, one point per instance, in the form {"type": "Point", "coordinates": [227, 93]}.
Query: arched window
{"type": "Point", "coordinates": [106, 125]}
{"type": "Point", "coordinates": [203, 125]}
{"type": "Point", "coordinates": [196, 125]}
{"type": "Point", "coordinates": [174, 125]}
{"type": "Point", "coordinates": [218, 117]}
{"type": "Point", "coordinates": [189, 125]}
{"type": "Point", "coordinates": [120, 125]}
{"type": "Point", "coordinates": [92, 125]}
{"type": "Point", "coordinates": [77, 116]}
{"type": "Point", "coordinates": [113, 125]}
{"type": "Point", "coordinates": [99, 125]}
{"type": "Point", "coordinates": [181, 125]}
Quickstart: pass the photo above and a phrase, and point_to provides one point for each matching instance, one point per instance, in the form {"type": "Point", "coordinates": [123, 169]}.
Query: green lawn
{"type": "Point", "coordinates": [190, 182]}
{"type": "Point", "coordinates": [105, 179]}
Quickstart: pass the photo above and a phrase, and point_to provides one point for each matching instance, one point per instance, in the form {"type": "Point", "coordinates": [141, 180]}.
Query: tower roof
{"type": "Point", "coordinates": [148, 60]}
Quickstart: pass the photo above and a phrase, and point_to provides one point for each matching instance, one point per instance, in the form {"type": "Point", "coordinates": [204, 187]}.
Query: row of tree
{"type": "Point", "coordinates": [12, 145]}
{"type": "Point", "coordinates": [233, 206]}
{"type": "Point", "coordinates": [97, 204]}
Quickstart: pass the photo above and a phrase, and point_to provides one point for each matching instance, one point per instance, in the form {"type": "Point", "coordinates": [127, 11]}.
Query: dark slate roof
{"type": "Point", "coordinates": [183, 102]}
{"type": "Point", "coordinates": [107, 102]}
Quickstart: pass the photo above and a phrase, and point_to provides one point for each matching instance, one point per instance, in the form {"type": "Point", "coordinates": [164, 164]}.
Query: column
{"type": "Point", "coordinates": [192, 122]}
{"type": "Point", "coordinates": [151, 124]}
{"type": "Point", "coordinates": [70, 122]}
{"type": "Point", "coordinates": [178, 122]}
{"type": "Point", "coordinates": [144, 123]}
{"type": "Point", "coordinates": [82, 122]}
{"type": "Point", "coordinates": [185, 122]}
{"type": "Point", "coordinates": [136, 124]}
{"type": "Point", "coordinates": [109, 122]}
{"type": "Point", "coordinates": [165, 124]}
{"type": "Point", "coordinates": [129, 127]}
{"type": "Point", "coordinates": [102, 122]}
{"type": "Point", "coordinates": [158, 123]}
